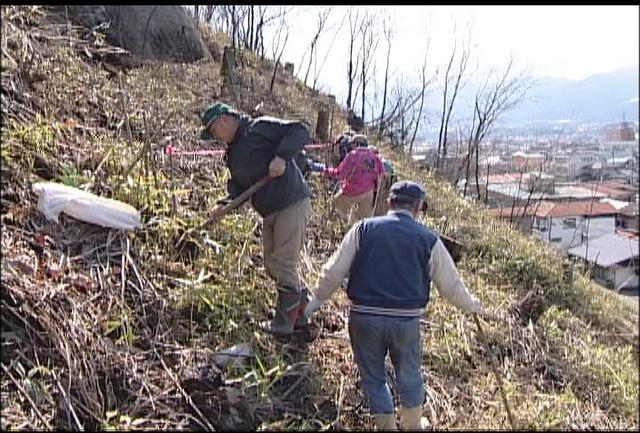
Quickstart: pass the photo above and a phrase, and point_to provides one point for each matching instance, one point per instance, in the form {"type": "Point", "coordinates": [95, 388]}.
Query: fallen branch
{"type": "Point", "coordinates": [68, 401]}
{"type": "Point", "coordinates": [494, 369]}
{"type": "Point", "coordinates": [26, 395]}
{"type": "Point", "coordinates": [294, 386]}
{"type": "Point", "coordinates": [340, 398]}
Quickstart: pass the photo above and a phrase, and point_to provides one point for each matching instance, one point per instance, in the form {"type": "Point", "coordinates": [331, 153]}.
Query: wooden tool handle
{"type": "Point", "coordinates": [246, 194]}
{"type": "Point", "coordinates": [242, 197]}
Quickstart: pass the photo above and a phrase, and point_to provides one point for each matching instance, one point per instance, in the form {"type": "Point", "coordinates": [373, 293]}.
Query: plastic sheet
{"type": "Point", "coordinates": [54, 198]}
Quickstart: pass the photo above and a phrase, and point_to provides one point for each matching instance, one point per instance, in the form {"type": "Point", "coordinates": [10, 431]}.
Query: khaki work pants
{"type": "Point", "coordinates": [283, 236]}
{"type": "Point", "coordinates": [363, 206]}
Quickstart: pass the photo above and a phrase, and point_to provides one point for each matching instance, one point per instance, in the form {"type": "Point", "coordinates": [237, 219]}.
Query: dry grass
{"type": "Point", "coordinates": [102, 329]}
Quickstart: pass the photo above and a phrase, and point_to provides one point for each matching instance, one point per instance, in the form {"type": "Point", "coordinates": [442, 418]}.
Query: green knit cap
{"type": "Point", "coordinates": [210, 115]}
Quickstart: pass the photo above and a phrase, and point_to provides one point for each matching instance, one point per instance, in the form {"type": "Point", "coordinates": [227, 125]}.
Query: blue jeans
{"type": "Point", "coordinates": [372, 337]}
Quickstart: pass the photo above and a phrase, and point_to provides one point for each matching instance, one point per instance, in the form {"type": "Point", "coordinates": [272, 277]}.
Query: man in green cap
{"type": "Point", "coordinates": [255, 148]}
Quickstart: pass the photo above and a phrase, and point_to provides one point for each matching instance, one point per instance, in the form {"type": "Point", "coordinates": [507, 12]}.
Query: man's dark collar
{"type": "Point", "coordinates": [243, 123]}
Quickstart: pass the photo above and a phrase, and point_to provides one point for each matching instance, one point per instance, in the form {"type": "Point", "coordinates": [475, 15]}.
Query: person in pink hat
{"type": "Point", "coordinates": [361, 172]}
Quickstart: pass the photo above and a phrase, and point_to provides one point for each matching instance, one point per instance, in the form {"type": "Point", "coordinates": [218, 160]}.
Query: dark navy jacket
{"type": "Point", "coordinates": [391, 262]}
{"type": "Point", "coordinates": [390, 269]}
{"type": "Point", "coordinates": [248, 157]}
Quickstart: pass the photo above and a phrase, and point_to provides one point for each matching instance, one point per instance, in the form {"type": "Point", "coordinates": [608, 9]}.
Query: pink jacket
{"type": "Point", "coordinates": [359, 171]}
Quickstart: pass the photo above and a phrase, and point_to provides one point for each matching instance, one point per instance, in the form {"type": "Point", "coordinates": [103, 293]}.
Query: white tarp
{"type": "Point", "coordinates": [54, 198]}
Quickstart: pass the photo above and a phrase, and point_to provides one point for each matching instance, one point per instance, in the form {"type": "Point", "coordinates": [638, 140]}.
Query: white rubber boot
{"type": "Point", "coordinates": [385, 421]}
{"type": "Point", "coordinates": [411, 419]}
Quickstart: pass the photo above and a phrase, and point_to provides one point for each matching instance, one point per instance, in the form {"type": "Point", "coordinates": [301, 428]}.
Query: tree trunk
{"type": "Point", "coordinates": [333, 103]}
{"type": "Point", "coordinates": [208, 15]}
{"type": "Point", "coordinates": [364, 71]}
{"type": "Point", "coordinates": [349, 78]}
{"type": "Point", "coordinates": [486, 190]}
{"type": "Point", "coordinates": [477, 170]}
{"type": "Point", "coordinates": [273, 76]}
{"type": "Point", "coordinates": [384, 93]}
{"type": "Point", "coordinates": [228, 61]}
{"type": "Point", "coordinates": [322, 126]}
{"type": "Point", "coordinates": [444, 114]}
{"type": "Point", "coordinates": [468, 163]}
{"type": "Point", "coordinates": [250, 29]}
{"type": "Point", "coordinates": [311, 52]}
{"type": "Point", "coordinates": [228, 71]}
{"type": "Point", "coordinates": [234, 27]}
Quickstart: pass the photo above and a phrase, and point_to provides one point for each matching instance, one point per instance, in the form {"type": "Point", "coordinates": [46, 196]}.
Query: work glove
{"type": "Point", "coordinates": [311, 307]}
{"type": "Point", "coordinates": [277, 166]}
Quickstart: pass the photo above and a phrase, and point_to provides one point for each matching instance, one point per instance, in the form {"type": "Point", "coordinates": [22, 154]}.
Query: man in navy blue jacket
{"type": "Point", "coordinates": [391, 261]}
{"type": "Point", "coordinates": [255, 148]}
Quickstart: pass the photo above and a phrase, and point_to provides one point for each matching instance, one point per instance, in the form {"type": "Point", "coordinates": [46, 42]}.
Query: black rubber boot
{"type": "Point", "coordinates": [287, 310]}
{"type": "Point", "coordinates": [303, 322]}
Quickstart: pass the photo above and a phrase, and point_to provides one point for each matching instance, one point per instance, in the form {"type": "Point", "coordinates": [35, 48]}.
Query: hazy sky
{"type": "Point", "coordinates": [570, 42]}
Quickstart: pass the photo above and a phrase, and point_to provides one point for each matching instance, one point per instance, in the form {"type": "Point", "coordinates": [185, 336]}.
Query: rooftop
{"type": "Point", "coordinates": [630, 210]}
{"type": "Point", "coordinates": [611, 189]}
{"type": "Point", "coordinates": [608, 250]}
{"type": "Point", "coordinates": [548, 209]}
{"type": "Point", "coordinates": [511, 189]}
{"type": "Point", "coordinates": [529, 155]}
{"type": "Point", "coordinates": [618, 204]}
{"type": "Point", "coordinates": [506, 177]}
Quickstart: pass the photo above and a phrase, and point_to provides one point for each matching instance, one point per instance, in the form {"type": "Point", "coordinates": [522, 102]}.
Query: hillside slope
{"type": "Point", "coordinates": [103, 329]}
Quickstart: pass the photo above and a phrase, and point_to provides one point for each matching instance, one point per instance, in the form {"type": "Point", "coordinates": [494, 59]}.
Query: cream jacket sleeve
{"type": "Point", "coordinates": [337, 268]}
{"type": "Point", "coordinates": [445, 276]}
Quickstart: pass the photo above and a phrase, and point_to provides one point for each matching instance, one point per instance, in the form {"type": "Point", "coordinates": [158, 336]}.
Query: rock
{"type": "Point", "coordinates": [151, 32]}
{"type": "Point", "coordinates": [215, 50]}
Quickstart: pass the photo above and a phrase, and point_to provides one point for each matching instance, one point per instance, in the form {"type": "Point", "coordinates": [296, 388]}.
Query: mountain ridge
{"type": "Point", "coordinates": [602, 98]}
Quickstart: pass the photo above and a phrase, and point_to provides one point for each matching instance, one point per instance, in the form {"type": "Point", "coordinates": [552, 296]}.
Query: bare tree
{"type": "Point", "coordinates": [221, 19]}
{"type": "Point", "coordinates": [506, 91]}
{"type": "Point", "coordinates": [458, 150]}
{"type": "Point", "coordinates": [389, 33]}
{"type": "Point", "coordinates": [535, 185]}
{"type": "Point", "coordinates": [248, 42]}
{"type": "Point", "coordinates": [517, 195]}
{"type": "Point", "coordinates": [398, 98]}
{"type": "Point", "coordinates": [323, 15]}
{"type": "Point", "coordinates": [275, 47]}
{"type": "Point", "coordinates": [234, 18]}
{"type": "Point", "coordinates": [466, 162]}
{"type": "Point", "coordinates": [449, 95]}
{"type": "Point", "coordinates": [369, 47]}
{"type": "Point", "coordinates": [486, 190]}
{"type": "Point", "coordinates": [245, 25]}
{"type": "Point", "coordinates": [258, 20]}
{"type": "Point", "coordinates": [258, 41]}
{"type": "Point", "coordinates": [209, 13]}
{"type": "Point", "coordinates": [424, 83]}
{"type": "Point", "coordinates": [318, 70]}
{"type": "Point", "coordinates": [354, 25]}
{"type": "Point", "coordinates": [403, 115]}
{"type": "Point", "coordinates": [505, 94]}
{"type": "Point", "coordinates": [268, 16]}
